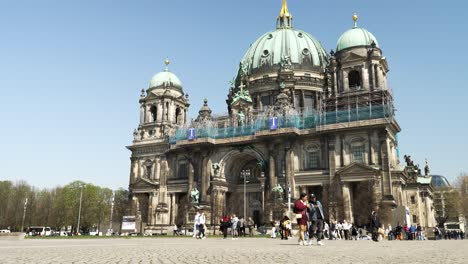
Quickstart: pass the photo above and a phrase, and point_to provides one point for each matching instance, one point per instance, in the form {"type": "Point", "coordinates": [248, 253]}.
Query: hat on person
{"type": "Point", "coordinates": [312, 195]}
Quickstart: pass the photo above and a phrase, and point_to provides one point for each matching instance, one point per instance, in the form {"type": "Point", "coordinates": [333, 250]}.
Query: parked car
{"type": "Point", "coordinates": [5, 231]}
{"type": "Point", "coordinates": [39, 231]}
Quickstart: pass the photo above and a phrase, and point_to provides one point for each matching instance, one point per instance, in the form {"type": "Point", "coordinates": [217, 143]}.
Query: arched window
{"type": "Point", "coordinates": [177, 115]}
{"type": "Point", "coordinates": [358, 151]}
{"type": "Point", "coordinates": [182, 170]}
{"type": "Point", "coordinates": [154, 113]}
{"type": "Point", "coordinates": [354, 79]}
{"type": "Point", "coordinates": [167, 111]}
{"type": "Point", "coordinates": [148, 168]}
{"type": "Point", "coordinates": [313, 157]}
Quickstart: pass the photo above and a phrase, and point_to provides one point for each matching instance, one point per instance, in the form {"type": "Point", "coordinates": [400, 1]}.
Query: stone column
{"type": "Point", "coordinates": [335, 83]}
{"type": "Point", "coordinates": [347, 203]}
{"type": "Point", "coordinates": [137, 213]}
{"type": "Point", "coordinates": [371, 76]}
{"type": "Point", "coordinates": [190, 179]}
{"type": "Point", "coordinates": [142, 113]}
{"type": "Point", "coordinates": [205, 178]}
{"type": "Point", "coordinates": [147, 114]}
{"type": "Point", "coordinates": [151, 209]}
{"type": "Point", "coordinates": [371, 150]}
{"type": "Point", "coordinates": [365, 78]}
{"type": "Point", "coordinates": [386, 174]}
{"type": "Point", "coordinates": [172, 208]}
{"type": "Point", "coordinates": [218, 202]}
{"type": "Point", "coordinates": [133, 170]}
{"type": "Point", "coordinates": [290, 170]}
{"type": "Point", "coordinates": [272, 173]}
{"type": "Point", "coordinates": [159, 115]}
{"type": "Point", "coordinates": [157, 168]}
{"type": "Point", "coordinates": [375, 186]}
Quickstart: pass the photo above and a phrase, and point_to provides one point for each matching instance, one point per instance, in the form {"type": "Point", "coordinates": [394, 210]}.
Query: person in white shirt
{"type": "Point", "coordinates": [346, 230]}
{"type": "Point", "coordinates": [202, 226]}
{"type": "Point", "coordinates": [196, 224]}
{"type": "Point", "coordinates": [326, 229]}
{"type": "Point", "coordinates": [234, 221]}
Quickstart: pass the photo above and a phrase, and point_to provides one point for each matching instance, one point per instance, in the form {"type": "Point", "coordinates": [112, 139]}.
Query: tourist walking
{"type": "Point", "coordinates": [316, 217]}
{"type": "Point", "coordinates": [242, 226]}
{"type": "Point", "coordinates": [196, 224]}
{"type": "Point", "coordinates": [300, 210]}
{"type": "Point", "coordinates": [251, 226]}
{"type": "Point", "coordinates": [202, 226]}
{"type": "Point", "coordinates": [225, 222]}
{"type": "Point", "coordinates": [285, 227]}
{"type": "Point", "coordinates": [375, 225]}
{"type": "Point", "coordinates": [234, 227]}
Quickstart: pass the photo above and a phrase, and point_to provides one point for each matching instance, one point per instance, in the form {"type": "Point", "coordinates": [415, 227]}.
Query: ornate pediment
{"type": "Point", "coordinates": [352, 57]}
{"type": "Point", "coordinates": [143, 184]}
{"type": "Point", "coordinates": [357, 169]}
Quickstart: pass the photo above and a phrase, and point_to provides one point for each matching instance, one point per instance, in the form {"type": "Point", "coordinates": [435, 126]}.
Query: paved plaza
{"type": "Point", "coordinates": [216, 250]}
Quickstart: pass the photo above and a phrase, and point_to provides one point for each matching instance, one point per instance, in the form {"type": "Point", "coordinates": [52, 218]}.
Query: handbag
{"type": "Point", "coordinates": [298, 216]}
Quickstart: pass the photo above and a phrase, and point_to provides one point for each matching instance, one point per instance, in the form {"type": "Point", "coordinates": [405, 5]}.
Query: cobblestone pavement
{"type": "Point", "coordinates": [216, 250]}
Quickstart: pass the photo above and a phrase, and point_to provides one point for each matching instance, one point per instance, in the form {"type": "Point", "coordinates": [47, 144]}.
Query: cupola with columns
{"type": "Point", "coordinates": [163, 106]}
{"type": "Point", "coordinates": [358, 63]}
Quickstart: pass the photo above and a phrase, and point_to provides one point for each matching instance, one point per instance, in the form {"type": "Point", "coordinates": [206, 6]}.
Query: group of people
{"type": "Point", "coordinates": [448, 234]}
{"type": "Point", "coordinates": [310, 217]}
{"type": "Point", "coordinates": [199, 226]}
{"type": "Point", "coordinates": [236, 225]}
{"type": "Point", "coordinates": [407, 232]}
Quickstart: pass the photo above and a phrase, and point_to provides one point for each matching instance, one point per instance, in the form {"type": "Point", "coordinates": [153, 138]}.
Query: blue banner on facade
{"type": "Point", "coordinates": [191, 133]}
{"type": "Point", "coordinates": [273, 123]}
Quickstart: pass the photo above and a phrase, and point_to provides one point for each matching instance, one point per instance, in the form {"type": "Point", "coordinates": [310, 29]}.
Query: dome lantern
{"type": "Point", "coordinates": [356, 37]}
{"type": "Point", "coordinates": [165, 79]}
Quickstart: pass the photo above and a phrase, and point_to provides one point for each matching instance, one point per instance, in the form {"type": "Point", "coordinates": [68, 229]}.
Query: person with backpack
{"type": "Point", "coordinates": [225, 222]}
{"type": "Point", "coordinates": [300, 209]}
{"type": "Point", "coordinates": [316, 217]}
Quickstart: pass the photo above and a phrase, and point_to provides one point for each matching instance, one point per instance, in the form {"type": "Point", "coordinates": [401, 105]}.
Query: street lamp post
{"type": "Point", "coordinates": [245, 174]}
{"type": "Point", "coordinates": [24, 213]}
{"type": "Point", "coordinates": [79, 210]}
{"type": "Point", "coordinates": [111, 213]}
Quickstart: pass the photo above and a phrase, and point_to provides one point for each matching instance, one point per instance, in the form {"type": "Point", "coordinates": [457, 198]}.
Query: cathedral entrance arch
{"type": "Point", "coordinates": [243, 172]}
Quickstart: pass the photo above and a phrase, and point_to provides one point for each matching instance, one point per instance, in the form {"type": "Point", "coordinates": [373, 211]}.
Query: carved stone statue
{"type": "Point", "coordinates": [426, 168]}
{"type": "Point", "coordinates": [261, 165]}
{"type": "Point", "coordinates": [216, 168]}
{"type": "Point", "coordinates": [408, 161]}
{"type": "Point", "coordinates": [195, 195]}
{"type": "Point", "coordinates": [135, 134]}
{"type": "Point", "coordinates": [277, 189]}
{"type": "Point", "coordinates": [241, 117]}
{"type": "Point", "coordinates": [285, 63]}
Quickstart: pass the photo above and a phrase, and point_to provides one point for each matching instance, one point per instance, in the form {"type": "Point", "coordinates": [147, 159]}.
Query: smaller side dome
{"type": "Point", "coordinates": [356, 37]}
{"type": "Point", "coordinates": [165, 79]}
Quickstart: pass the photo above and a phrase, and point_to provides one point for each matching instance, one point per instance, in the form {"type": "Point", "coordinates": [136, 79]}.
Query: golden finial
{"type": "Point", "coordinates": [284, 9]}
{"type": "Point", "coordinates": [355, 18]}
{"type": "Point", "coordinates": [167, 62]}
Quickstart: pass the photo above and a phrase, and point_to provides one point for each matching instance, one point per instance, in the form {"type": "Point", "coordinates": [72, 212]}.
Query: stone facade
{"type": "Point", "coordinates": [335, 136]}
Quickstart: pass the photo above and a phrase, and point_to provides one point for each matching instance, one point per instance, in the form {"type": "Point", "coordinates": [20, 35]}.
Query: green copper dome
{"type": "Point", "coordinates": [272, 47]}
{"type": "Point", "coordinates": [355, 37]}
{"type": "Point", "coordinates": [165, 79]}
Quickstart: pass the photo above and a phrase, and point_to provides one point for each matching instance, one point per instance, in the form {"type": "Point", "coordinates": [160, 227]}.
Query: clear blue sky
{"type": "Point", "coordinates": [71, 74]}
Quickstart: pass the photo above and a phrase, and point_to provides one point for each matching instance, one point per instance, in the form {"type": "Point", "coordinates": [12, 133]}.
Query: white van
{"type": "Point", "coordinates": [39, 231]}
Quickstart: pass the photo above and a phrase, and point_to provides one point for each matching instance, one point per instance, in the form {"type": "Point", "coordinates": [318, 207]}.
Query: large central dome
{"type": "Point", "coordinates": [285, 43]}
{"type": "Point", "coordinates": [272, 47]}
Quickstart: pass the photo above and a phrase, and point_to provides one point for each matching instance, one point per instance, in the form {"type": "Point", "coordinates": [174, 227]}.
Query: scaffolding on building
{"type": "Point", "coordinates": [350, 107]}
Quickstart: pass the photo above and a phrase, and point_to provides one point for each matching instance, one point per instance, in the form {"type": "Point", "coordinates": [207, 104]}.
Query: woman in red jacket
{"type": "Point", "coordinates": [300, 208]}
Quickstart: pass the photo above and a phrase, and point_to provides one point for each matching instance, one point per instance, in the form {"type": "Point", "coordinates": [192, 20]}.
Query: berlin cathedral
{"type": "Point", "coordinates": [300, 119]}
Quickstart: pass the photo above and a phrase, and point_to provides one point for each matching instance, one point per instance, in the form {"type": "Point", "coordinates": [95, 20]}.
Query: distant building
{"type": "Point", "coordinates": [439, 181]}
